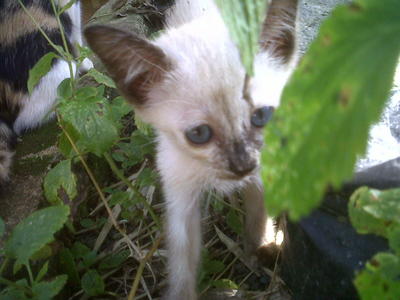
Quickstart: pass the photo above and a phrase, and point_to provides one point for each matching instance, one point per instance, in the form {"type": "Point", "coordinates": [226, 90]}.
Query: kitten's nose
{"type": "Point", "coordinates": [240, 162]}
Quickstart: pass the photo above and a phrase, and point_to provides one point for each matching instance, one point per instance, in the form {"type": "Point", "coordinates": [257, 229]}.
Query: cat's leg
{"type": "Point", "coordinates": [37, 107]}
{"type": "Point", "coordinates": [7, 144]}
{"type": "Point", "coordinates": [76, 35]}
{"type": "Point", "coordinates": [260, 230]}
{"type": "Point", "coordinates": [184, 243]}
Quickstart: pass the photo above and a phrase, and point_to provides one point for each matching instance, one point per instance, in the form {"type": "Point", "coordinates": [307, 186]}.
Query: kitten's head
{"type": "Point", "coordinates": [191, 86]}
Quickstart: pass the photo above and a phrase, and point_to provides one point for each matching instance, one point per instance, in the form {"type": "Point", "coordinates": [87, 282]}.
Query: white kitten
{"type": "Point", "coordinates": [191, 86]}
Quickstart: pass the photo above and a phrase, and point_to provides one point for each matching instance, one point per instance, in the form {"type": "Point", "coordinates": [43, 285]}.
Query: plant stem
{"type": "Point", "coordinates": [71, 69]}
{"type": "Point", "coordinates": [31, 279]}
{"type": "Point", "coordinates": [41, 30]}
{"type": "Point", "coordinates": [97, 187]}
{"type": "Point", "coordinates": [143, 263]}
{"type": "Point", "coordinates": [121, 176]}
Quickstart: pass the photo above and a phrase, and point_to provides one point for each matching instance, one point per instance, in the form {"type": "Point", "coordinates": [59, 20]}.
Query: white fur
{"type": "Point", "coordinates": [37, 106]}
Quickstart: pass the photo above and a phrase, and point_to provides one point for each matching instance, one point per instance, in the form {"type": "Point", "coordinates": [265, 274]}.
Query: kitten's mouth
{"type": "Point", "coordinates": [230, 176]}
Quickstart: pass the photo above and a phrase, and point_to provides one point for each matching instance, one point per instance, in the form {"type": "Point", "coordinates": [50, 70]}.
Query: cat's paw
{"type": "Point", "coordinates": [85, 66]}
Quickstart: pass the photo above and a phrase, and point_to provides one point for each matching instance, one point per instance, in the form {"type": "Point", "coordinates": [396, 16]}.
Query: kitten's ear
{"type": "Point", "coordinates": [134, 63]}
{"type": "Point", "coordinates": [278, 32]}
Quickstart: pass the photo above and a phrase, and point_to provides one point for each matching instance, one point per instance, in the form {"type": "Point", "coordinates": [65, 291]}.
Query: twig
{"type": "Point", "coordinates": [139, 272]}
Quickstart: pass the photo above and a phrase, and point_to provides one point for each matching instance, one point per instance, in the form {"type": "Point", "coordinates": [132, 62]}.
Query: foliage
{"type": "Point", "coordinates": [333, 97]}
{"type": "Point", "coordinates": [28, 237]}
{"type": "Point", "coordinates": [110, 230]}
{"type": "Point", "coordinates": [373, 211]}
{"type": "Point", "coordinates": [244, 19]}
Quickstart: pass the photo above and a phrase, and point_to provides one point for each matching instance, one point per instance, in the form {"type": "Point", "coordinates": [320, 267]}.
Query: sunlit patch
{"type": "Point", "coordinates": [272, 236]}
{"type": "Point", "coordinates": [279, 237]}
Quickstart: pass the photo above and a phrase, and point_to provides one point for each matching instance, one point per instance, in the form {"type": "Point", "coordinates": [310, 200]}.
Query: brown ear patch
{"type": "Point", "coordinates": [134, 63]}
{"type": "Point", "coordinates": [278, 33]}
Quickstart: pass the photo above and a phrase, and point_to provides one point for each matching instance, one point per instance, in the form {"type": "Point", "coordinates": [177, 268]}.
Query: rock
{"type": "Point", "coordinates": [322, 252]}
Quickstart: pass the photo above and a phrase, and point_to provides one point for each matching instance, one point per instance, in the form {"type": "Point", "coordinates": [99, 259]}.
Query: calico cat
{"type": "Point", "coordinates": [21, 47]}
{"type": "Point", "coordinates": [190, 85]}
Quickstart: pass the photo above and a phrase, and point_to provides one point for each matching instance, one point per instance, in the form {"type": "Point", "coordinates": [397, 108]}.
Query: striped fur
{"type": "Point", "coordinates": [21, 47]}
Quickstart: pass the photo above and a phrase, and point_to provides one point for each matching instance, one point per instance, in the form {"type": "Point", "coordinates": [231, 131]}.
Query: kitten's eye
{"type": "Point", "coordinates": [199, 135]}
{"type": "Point", "coordinates": [261, 116]}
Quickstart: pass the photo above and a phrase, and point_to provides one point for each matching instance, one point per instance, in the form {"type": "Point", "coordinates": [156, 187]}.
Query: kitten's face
{"type": "Point", "coordinates": [216, 124]}
{"type": "Point", "coordinates": [191, 86]}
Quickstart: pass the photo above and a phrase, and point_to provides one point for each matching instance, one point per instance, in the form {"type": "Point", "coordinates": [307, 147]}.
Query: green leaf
{"type": "Point", "coordinates": [225, 284]}
{"type": "Point", "coordinates": [373, 211]}
{"type": "Point", "coordinates": [143, 127]}
{"type": "Point", "coordinates": [394, 238]}
{"type": "Point", "coordinates": [327, 108]}
{"type": "Point", "coordinates": [244, 19]}
{"type": "Point", "coordinates": [234, 223]}
{"type": "Point", "coordinates": [2, 227]}
{"type": "Point", "coordinates": [47, 290]}
{"type": "Point", "coordinates": [15, 292]}
{"type": "Point", "coordinates": [34, 232]}
{"type": "Point", "coordinates": [120, 108]}
{"type": "Point", "coordinates": [60, 178]}
{"type": "Point", "coordinates": [147, 177]}
{"type": "Point", "coordinates": [42, 272]}
{"type": "Point", "coordinates": [101, 78]}
{"type": "Point", "coordinates": [41, 68]}
{"type": "Point", "coordinates": [92, 283]}
{"type": "Point", "coordinates": [64, 89]}
{"type": "Point", "coordinates": [92, 119]}
{"type": "Point", "coordinates": [66, 6]}
{"type": "Point", "coordinates": [380, 279]}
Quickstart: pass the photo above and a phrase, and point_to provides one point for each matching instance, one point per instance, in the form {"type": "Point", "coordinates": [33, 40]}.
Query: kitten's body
{"type": "Point", "coordinates": [21, 47]}
{"type": "Point", "coordinates": [188, 78]}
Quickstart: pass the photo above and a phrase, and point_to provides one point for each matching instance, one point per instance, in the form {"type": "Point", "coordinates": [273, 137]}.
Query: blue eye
{"type": "Point", "coordinates": [199, 135]}
{"type": "Point", "coordinates": [261, 116]}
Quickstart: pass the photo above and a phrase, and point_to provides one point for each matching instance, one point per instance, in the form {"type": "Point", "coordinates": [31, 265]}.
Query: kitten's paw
{"type": "Point", "coordinates": [86, 66]}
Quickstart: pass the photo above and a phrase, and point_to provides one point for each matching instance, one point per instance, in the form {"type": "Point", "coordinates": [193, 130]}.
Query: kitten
{"type": "Point", "coordinates": [190, 84]}
{"type": "Point", "coordinates": [21, 47]}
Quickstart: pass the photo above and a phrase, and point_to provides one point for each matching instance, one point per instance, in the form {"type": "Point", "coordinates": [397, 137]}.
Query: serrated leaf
{"type": "Point", "coordinates": [47, 290]}
{"type": "Point", "coordinates": [244, 19]}
{"type": "Point", "coordinates": [91, 117]}
{"type": "Point", "coordinates": [380, 279]}
{"type": "Point", "coordinates": [35, 231]}
{"type": "Point", "coordinates": [327, 108]}
{"type": "Point", "coordinates": [101, 78]}
{"type": "Point", "coordinates": [41, 68]}
{"type": "Point", "coordinates": [92, 283]}
{"type": "Point", "coordinates": [60, 177]}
